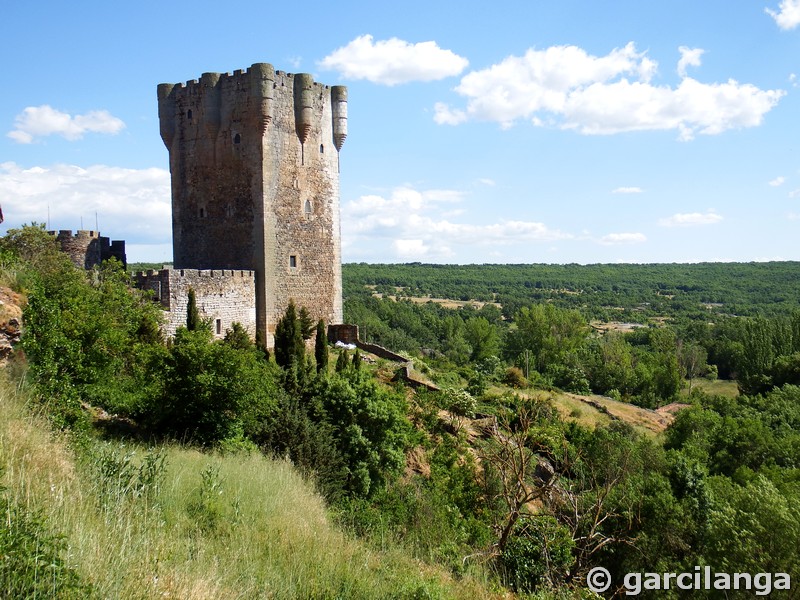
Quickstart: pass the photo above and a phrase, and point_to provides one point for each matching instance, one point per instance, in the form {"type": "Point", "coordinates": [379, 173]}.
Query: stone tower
{"type": "Point", "coordinates": [254, 158]}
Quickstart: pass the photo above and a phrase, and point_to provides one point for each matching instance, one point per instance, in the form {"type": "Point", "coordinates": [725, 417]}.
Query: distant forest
{"type": "Point", "coordinates": [601, 291]}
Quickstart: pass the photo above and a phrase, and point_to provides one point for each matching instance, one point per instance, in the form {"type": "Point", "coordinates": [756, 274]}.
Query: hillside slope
{"type": "Point", "coordinates": [172, 522]}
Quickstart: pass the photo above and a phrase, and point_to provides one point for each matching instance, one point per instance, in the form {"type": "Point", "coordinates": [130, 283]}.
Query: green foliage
{"type": "Point", "coordinates": [309, 443]}
{"type": "Point", "coordinates": [483, 338]}
{"type": "Point", "coordinates": [192, 313]}
{"type": "Point", "coordinates": [90, 336]}
{"type": "Point", "coordinates": [238, 338]}
{"type": "Point", "coordinates": [289, 345]}
{"type": "Point", "coordinates": [119, 478]}
{"type": "Point", "coordinates": [369, 424]}
{"type": "Point", "coordinates": [306, 323]}
{"type": "Point", "coordinates": [642, 290]}
{"type": "Point", "coordinates": [321, 347]}
{"type": "Point", "coordinates": [549, 333]}
{"type": "Point", "coordinates": [754, 528]}
{"type": "Point", "coordinates": [206, 509]}
{"type": "Point", "coordinates": [459, 402]}
{"type": "Point", "coordinates": [539, 555]}
{"type": "Point", "coordinates": [342, 362]}
{"type": "Point", "coordinates": [211, 391]}
{"type": "Point", "coordinates": [515, 378]}
{"type": "Point", "coordinates": [31, 558]}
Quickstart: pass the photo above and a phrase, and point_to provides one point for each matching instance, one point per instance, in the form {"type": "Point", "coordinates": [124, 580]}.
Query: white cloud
{"type": "Point", "coordinates": [794, 193]}
{"type": "Point", "coordinates": [628, 190]}
{"type": "Point", "coordinates": [393, 61]}
{"type": "Point", "coordinates": [777, 181]}
{"type": "Point", "coordinates": [41, 121]}
{"type": "Point", "coordinates": [689, 57]}
{"type": "Point", "coordinates": [417, 225]}
{"type": "Point", "coordinates": [566, 87]}
{"type": "Point", "coordinates": [487, 181]}
{"type": "Point", "coordinates": [789, 15]}
{"type": "Point", "coordinates": [691, 219]}
{"type": "Point", "coordinates": [613, 239]}
{"type": "Point", "coordinates": [131, 204]}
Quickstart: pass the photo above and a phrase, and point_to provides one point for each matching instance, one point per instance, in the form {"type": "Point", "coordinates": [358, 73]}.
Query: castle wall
{"type": "Point", "coordinates": [254, 158]}
{"type": "Point", "coordinates": [88, 249]}
{"type": "Point", "coordinates": [224, 296]}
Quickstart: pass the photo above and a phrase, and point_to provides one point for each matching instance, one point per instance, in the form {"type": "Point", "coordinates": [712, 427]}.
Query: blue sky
{"type": "Point", "coordinates": [559, 131]}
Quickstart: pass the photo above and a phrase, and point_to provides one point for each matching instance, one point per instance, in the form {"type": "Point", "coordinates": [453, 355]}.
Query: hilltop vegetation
{"type": "Point", "coordinates": [166, 464]}
{"type": "Point", "coordinates": [633, 292]}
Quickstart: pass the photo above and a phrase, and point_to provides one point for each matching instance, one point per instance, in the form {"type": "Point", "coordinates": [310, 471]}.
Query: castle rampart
{"type": "Point", "coordinates": [254, 158]}
{"type": "Point", "coordinates": [88, 248]}
{"type": "Point", "coordinates": [224, 296]}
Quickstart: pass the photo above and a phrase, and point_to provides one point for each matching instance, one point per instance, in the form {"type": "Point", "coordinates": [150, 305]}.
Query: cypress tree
{"type": "Point", "coordinates": [306, 323]}
{"type": "Point", "coordinates": [357, 360]}
{"type": "Point", "coordinates": [289, 345]}
{"type": "Point", "coordinates": [192, 314]}
{"type": "Point", "coordinates": [342, 362]}
{"type": "Point", "coordinates": [321, 348]}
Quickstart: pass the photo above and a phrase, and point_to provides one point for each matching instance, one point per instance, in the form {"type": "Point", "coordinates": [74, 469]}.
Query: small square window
{"type": "Point", "coordinates": [293, 261]}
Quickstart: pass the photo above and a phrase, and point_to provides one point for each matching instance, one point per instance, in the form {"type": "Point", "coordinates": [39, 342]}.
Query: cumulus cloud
{"type": "Point", "coordinates": [131, 204]}
{"type": "Point", "coordinates": [41, 121]}
{"type": "Point", "coordinates": [628, 190]}
{"type": "Point", "coordinates": [393, 61]}
{"type": "Point", "coordinates": [777, 181]}
{"type": "Point", "coordinates": [691, 219]}
{"type": "Point", "coordinates": [417, 225]}
{"type": "Point", "coordinates": [613, 239]}
{"type": "Point", "coordinates": [788, 17]}
{"type": "Point", "coordinates": [569, 88]}
{"type": "Point", "coordinates": [689, 57]}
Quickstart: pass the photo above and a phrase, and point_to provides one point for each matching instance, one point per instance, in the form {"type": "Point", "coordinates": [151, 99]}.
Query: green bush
{"type": "Point", "coordinates": [538, 554]}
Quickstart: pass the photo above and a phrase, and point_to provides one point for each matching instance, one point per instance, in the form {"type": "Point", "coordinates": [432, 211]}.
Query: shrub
{"type": "Point", "coordinates": [538, 554]}
{"type": "Point", "coordinates": [459, 402]}
{"type": "Point", "coordinates": [514, 378]}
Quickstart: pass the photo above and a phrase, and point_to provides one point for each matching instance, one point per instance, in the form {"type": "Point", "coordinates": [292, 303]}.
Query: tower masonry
{"type": "Point", "coordinates": [254, 159]}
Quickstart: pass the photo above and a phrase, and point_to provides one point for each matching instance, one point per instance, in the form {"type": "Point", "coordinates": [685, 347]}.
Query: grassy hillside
{"type": "Point", "coordinates": [172, 522]}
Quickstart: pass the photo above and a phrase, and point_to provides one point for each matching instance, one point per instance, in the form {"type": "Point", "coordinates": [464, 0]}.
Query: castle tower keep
{"type": "Point", "coordinates": [254, 158]}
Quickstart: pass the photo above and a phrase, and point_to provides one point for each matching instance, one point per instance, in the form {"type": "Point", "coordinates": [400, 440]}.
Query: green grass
{"type": "Point", "coordinates": [193, 525]}
{"type": "Point", "coordinates": [718, 387]}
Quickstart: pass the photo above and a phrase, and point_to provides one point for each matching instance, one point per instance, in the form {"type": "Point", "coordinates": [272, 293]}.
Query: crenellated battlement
{"type": "Point", "coordinates": [219, 100]}
{"type": "Point", "coordinates": [224, 296]}
{"type": "Point", "coordinates": [87, 248]}
{"type": "Point", "coordinates": [254, 158]}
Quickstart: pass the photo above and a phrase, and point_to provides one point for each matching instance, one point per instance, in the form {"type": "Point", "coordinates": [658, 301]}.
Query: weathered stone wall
{"type": "Point", "coordinates": [224, 296]}
{"type": "Point", "coordinates": [255, 183]}
{"type": "Point", "coordinates": [345, 333]}
{"type": "Point", "coordinates": [88, 248]}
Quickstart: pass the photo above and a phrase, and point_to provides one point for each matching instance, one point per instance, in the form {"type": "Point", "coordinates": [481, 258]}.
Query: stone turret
{"type": "Point", "coordinates": [88, 249]}
{"type": "Point", "coordinates": [254, 158]}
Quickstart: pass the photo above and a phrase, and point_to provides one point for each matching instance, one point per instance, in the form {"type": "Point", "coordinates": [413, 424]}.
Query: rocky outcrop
{"type": "Point", "coordinates": [10, 323]}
